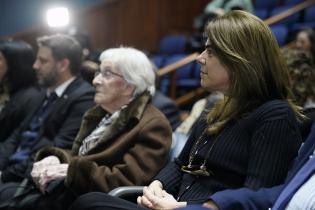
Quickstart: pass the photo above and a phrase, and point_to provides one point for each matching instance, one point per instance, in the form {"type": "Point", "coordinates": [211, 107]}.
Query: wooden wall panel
{"type": "Point", "coordinates": [138, 23]}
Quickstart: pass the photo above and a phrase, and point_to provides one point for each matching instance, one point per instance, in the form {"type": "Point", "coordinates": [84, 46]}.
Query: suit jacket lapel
{"type": "Point", "coordinates": [301, 170]}
{"type": "Point", "coordinates": [303, 156]}
{"type": "Point", "coordinates": [297, 181]}
{"type": "Point", "coordinates": [32, 112]}
{"type": "Point", "coordinates": [63, 98]}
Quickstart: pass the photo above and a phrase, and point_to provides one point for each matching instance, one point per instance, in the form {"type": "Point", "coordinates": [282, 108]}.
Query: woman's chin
{"type": "Point", "coordinates": [97, 100]}
{"type": "Point", "coordinates": [203, 84]}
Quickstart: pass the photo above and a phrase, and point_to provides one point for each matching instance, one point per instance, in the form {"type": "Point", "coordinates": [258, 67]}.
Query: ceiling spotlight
{"type": "Point", "coordinates": [57, 17]}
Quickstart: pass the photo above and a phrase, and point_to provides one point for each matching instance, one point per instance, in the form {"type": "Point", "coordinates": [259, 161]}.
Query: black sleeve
{"type": "Point", "coordinates": [8, 147]}
{"type": "Point", "coordinates": [18, 171]}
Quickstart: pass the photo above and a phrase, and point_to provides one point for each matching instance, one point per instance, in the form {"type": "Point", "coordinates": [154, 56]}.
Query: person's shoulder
{"type": "Point", "coordinates": [27, 94]}
{"type": "Point", "coordinates": [29, 91]}
{"type": "Point", "coordinates": [160, 100]}
{"type": "Point", "coordinates": [154, 116]}
{"type": "Point", "coordinates": [151, 111]}
{"type": "Point", "coordinates": [87, 87]}
{"type": "Point", "coordinates": [274, 105]}
{"type": "Point", "coordinates": [82, 84]}
{"type": "Point", "coordinates": [274, 109]}
{"type": "Point", "coordinates": [80, 87]}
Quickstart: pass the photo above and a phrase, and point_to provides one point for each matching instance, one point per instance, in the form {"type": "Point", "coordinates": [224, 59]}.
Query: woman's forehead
{"type": "Point", "coordinates": [107, 63]}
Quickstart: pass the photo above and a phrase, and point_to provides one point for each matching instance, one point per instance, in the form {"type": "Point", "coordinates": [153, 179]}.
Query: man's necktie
{"type": "Point", "coordinates": [43, 112]}
{"type": "Point", "coordinates": [29, 137]}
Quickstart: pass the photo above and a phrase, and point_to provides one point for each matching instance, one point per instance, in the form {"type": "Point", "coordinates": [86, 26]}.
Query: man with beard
{"type": "Point", "coordinates": [56, 115]}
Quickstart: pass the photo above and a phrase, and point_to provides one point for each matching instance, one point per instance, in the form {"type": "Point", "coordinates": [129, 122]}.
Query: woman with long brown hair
{"type": "Point", "coordinates": [247, 140]}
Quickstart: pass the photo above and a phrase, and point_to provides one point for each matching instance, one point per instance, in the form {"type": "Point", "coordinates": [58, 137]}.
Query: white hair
{"type": "Point", "coordinates": [135, 67]}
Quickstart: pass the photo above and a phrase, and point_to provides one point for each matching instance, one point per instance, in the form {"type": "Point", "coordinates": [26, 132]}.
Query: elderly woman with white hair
{"type": "Point", "coordinates": [123, 140]}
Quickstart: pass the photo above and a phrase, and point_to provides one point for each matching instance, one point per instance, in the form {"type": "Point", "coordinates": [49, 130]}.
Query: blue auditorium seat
{"type": "Point", "coordinates": [309, 15]}
{"type": "Point", "coordinates": [172, 44]}
{"type": "Point", "coordinates": [265, 4]}
{"type": "Point", "coordinates": [281, 33]}
{"type": "Point", "coordinates": [158, 60]}
{"type": "Point", "coordinates": [308, 21]}
{"type": "Point", "coordinates": [292, 2]}
{"type": "Point", "coordinates": [185, 77]}
{"type": "Point", "coordinates": [262, 13]}
{"type": "Point", "coordinates": [289, 20]}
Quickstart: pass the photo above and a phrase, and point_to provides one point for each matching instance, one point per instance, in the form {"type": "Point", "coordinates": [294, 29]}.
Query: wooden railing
{"type": "Point", "coordinates": [172, 68]}
{"type": "Point", "coordinates": [289, 12]}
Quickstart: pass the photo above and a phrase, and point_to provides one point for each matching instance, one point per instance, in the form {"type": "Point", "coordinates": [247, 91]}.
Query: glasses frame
{"type": "Point", "coordinates": [107, 74]}
{"type": "Point", "coordinates": [197, 170]}
{"type": "Point", "coordinates": [200, 170]}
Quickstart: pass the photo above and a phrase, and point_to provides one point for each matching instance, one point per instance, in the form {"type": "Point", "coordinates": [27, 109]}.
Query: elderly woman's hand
{"type": "Point", "coordinates": [52, 172]}
{"type": "Point", "coordinates": [47, 170]}
{"type": "Point", "coordinates": [40, 166]}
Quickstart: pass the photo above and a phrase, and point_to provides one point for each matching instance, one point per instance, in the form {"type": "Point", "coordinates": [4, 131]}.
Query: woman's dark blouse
{"type": "Point", "coordinates": [15, 110]}
{"type": "Point", "coordinates": [255, 151]}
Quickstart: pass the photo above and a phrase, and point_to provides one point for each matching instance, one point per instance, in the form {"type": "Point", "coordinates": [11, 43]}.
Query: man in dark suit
{"type": "Point", "coordinates": [165, 104]}
{"type": "Point", "coordinates": [56, 116]}
{"type": "Point", "coordinates": [168, 107]}
{"type": "Point", "coordinates": [276, 198]}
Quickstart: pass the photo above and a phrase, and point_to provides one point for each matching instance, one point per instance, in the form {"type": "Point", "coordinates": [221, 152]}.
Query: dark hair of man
{"type": "Point", "coordinates": [19, 57]}
{"type": "Point", "coordinates": [63, 46]}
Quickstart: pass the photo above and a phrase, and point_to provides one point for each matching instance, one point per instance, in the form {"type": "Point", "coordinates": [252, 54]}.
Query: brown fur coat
{"type": "Point", "coordinates": [130, 152]}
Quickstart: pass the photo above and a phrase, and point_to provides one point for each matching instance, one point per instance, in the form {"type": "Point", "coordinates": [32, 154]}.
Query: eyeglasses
{"type": "Point", "coordinates": [107, 74]}
{"type": "Point", "coordinates": [200, 170]}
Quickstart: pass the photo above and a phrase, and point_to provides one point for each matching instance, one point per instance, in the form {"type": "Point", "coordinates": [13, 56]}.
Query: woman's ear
{"type": "Point", "coordinates": [130, 89]}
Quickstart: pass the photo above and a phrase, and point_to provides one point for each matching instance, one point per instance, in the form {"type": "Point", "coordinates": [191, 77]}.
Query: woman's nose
{"type": "Point", "coordinates": [200, 59]}
{"type": "Point", "coordinates": [97, 79]}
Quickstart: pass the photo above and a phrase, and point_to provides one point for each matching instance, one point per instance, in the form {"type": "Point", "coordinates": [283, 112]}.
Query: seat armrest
{"type": "Point", "coordinates": [126, 191]}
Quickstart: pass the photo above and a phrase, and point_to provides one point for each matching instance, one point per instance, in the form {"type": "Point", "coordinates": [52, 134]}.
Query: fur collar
{"type": "Point", "coordinates": [128, 117]}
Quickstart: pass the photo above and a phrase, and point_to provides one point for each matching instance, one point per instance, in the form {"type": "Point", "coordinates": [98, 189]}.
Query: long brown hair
{"type": "Point", "coordinates": [258, 73]}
